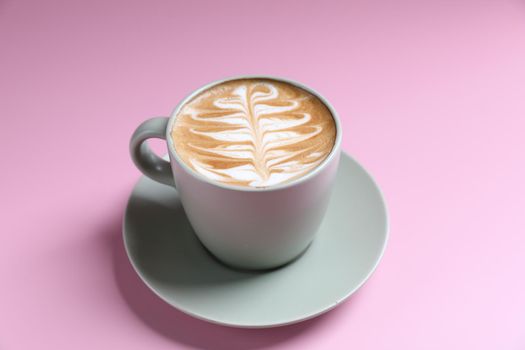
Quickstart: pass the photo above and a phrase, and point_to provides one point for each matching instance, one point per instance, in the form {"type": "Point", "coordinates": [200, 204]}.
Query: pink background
{"type": "Point", "coordinates": [432, 100]}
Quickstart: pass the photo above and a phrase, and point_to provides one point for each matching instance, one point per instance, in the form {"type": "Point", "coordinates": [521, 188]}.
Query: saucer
{"type": "Point", "coordinates": [171, 261]}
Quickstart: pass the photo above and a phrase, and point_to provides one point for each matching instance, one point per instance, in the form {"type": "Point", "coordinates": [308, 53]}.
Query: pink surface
{"type": "Point", "coordinates": [432, 100]}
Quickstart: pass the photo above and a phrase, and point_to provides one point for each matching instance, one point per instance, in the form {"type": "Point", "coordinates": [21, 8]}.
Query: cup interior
{"type": "Point", "coordinates": [334, 151]}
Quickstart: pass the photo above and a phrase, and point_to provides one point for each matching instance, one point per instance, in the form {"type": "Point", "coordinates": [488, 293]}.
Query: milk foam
{"type": "Point", "coordinates": [253, 132]}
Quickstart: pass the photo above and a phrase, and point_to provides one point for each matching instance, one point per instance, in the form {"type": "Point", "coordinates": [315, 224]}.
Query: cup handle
{"type": "Point", "coordinates": [148, 162]}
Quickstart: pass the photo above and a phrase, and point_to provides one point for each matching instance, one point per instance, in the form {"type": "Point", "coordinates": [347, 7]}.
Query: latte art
{"type": "Point", "coordinates": [253, 132]}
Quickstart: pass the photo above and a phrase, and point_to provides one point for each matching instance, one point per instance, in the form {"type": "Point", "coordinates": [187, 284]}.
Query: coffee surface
{"type": "Point", "coordinates": [253, 132]}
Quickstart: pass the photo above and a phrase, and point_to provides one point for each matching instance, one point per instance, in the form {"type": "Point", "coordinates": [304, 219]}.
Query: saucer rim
{"type": "Point", "coordinates": [280, 323]}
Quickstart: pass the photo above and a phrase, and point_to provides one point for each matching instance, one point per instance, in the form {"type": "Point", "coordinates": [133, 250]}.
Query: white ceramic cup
{"type": "Point", "coordinates": [251, 228]}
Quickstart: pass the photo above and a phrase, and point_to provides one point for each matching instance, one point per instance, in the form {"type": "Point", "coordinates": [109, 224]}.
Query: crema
{"type": "Point", "coordinates": [253, 132]}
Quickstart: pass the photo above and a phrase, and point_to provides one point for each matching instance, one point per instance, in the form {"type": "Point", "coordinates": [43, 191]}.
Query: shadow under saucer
{"type": "Point", "coordinates": [186, 330]}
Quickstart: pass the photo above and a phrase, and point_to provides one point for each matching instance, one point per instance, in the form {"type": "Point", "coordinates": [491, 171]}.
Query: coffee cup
{"type": "Point", "coordinates": [247, 219]}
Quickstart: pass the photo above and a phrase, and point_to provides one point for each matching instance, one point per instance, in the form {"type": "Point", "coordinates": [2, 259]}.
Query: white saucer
{"type": "Point", "coordinates": [171, 261]}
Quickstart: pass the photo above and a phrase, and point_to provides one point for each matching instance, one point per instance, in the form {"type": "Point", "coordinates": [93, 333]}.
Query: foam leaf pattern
{"type": "Point", "coordinates": [253, 133]}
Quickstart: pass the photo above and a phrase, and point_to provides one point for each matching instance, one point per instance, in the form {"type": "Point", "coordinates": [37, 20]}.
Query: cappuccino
{"type": "Point", "coordinates": [253, 132]}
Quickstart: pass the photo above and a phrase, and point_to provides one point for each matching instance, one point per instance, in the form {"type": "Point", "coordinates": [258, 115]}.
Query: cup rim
{"type": "Point", "coordinates": [333, 153]}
